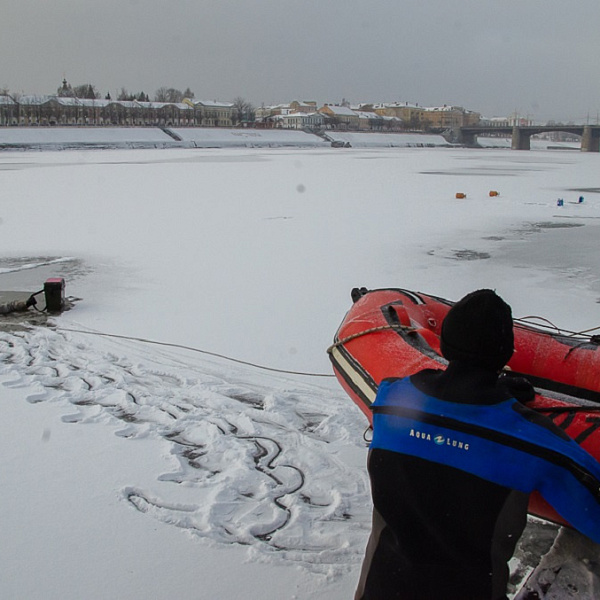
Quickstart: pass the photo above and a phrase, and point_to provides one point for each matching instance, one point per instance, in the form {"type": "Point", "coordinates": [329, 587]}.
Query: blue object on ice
{"type": "Point", "coordinates": [560, 202]}
{"type": "Point", "coordinates": [580, 199]}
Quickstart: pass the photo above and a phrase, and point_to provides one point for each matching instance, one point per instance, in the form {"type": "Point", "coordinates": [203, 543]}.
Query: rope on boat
{"type": "Point", "coordinates": [565, 409]}
{"type": "Point", "coordinates": [547, 323]}
{"type": "Point", "coordinates": [408, 329]}
{"type": "Point", "coordinates": [521, 321]}
{"type": "Point", "coordinates": [349, 338]}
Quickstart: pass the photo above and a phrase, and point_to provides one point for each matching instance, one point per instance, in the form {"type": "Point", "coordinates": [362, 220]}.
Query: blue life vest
{"type": "Point", "coordinates": [497, 442]}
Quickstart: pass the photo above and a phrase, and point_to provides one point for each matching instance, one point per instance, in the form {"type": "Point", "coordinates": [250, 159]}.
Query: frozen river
{"type": "Point", "coordinates": [251, 254]}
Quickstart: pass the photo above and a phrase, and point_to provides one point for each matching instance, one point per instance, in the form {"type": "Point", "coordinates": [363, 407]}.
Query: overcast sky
{"type": "Point", "coordinates": [538, 57]}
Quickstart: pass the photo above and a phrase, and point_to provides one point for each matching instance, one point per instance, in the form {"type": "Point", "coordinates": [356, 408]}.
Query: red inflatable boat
{"type": "Point", "coordinates": [395, 333]}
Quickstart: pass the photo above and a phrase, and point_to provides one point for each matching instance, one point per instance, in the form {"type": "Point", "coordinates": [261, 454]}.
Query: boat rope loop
{"type": "Point", "coordinates": [349, 338]}
{"type": "Point", "coordinates": [592, 340]}
{"type": "Point", "coordinates": [584, 336]}
{"type": "Point", "coordinates": [566, 409]}
{"type": "Point", "coordinates": [595, 339]}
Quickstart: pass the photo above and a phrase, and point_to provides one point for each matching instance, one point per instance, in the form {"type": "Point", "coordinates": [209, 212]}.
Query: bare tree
{"type": "Point", "coordinates": [173, 95]}
{"type": "Point", "coordinates": [161, 94]}
{"type": "Point", "coordinates": [165, 94]}
{"type": "Point", "coordinates": [244, 110]}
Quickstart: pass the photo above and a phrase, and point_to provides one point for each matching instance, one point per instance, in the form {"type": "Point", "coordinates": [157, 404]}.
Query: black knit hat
{"type": "Point", "coordinates": [479, 330]}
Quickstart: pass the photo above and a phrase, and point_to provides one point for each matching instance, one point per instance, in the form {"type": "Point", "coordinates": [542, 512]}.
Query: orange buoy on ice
{"type": "Point", "coordinates": [494, 193]}
{"type": "Point", "coordinates": [460, 195]}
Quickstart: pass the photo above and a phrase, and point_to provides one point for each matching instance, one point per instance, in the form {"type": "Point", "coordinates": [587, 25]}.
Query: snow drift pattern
{"type": "Point", "coordinates": [261, 460]}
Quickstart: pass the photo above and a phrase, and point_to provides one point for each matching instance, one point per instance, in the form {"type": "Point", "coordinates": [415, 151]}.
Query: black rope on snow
{"type": "Point", "coordinates": [192, 349]}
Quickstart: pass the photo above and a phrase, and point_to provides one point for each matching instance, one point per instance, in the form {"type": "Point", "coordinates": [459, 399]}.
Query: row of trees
{"type": "Point", "coordinates": [89, 91]}
{"type": "Point", "coordinates": [244, 110]}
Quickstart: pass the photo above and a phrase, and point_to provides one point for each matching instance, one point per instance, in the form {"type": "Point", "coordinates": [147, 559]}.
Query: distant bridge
{"type": "Point", "coordinates": [521, 135]}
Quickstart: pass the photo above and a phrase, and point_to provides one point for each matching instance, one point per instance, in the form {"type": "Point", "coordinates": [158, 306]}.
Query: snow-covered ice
{"type": "Point", "coordinates": [58, 137]}
{"type": "Point", "coordinates": [248, 138]}
{"type": "Point", "coordinates": [134, 465]}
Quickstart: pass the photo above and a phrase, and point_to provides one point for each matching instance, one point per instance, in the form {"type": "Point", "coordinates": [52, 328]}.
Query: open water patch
{"type": "Point", "coordinates": [23, 272]}
{"type": "Point", "coordinates": [562, 250]}
{"type": "Point", "coordinates": [461, 255]}
{"type": "Point", "coordinates": [553, 225]}
{"type": "Point", "coordinates": [471, 255]}
{"type": "Point", "coordinates": [471, 173]}
{"type": "Point", "coordinates": [590, 190]}
{"type": "Point", "coordinates": [500, 241]}
{"type": "Point", "coordinates": [536, 227]}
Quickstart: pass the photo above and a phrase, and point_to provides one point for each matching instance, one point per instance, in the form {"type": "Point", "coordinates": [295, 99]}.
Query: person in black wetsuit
{"type": "Point", "coordinates": [453, 460]}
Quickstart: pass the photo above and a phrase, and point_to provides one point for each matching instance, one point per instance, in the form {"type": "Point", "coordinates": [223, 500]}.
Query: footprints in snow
{"type": "Point", "coordinates": [257, 456]}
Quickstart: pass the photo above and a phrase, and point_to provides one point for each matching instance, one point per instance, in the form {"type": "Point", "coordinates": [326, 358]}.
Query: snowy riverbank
{"type": "Point", "coordinates": [64, 138]}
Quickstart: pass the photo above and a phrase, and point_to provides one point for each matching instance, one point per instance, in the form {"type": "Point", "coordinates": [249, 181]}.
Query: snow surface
{"type": "Point", "coordinates": [250, 138]}
{"type": "Point", "coordinates": [536, 144]}
{"type": "Point", "coordinates": [60, 138]}
{"type": "Point", "coordinates": [136, 470]}
{"type": "Point", "coordinates": [388, 140]}
{"type": "Point", "coordinates": [56, 136]}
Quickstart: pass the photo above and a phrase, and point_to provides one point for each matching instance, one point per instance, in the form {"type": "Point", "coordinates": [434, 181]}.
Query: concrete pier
{"type": "Point", "coordinates": [590, 140]}
{"type": "Point", "coordinates": [520, 139]}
